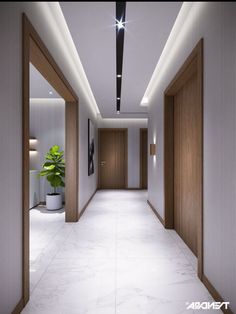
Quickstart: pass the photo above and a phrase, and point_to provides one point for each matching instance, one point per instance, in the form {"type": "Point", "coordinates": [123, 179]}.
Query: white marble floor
{"type": "Point", "coordinates": [118, 259]}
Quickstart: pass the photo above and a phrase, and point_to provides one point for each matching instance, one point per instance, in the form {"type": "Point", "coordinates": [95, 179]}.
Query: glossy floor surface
{"type": "Point", "coordinates": [117, 259]}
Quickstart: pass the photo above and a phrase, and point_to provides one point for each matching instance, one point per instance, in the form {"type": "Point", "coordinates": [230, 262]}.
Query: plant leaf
{"type": "Point", "coordinates": [51, 167]}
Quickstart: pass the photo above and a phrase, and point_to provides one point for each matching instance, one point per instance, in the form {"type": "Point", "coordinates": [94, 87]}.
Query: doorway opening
{"type": "Point", "coordinates": [183, 154]}
{"type": "Point", "coordinates": [36, 53]}
{"type": "Point", "coordinates": [143, 158]}
{"type": "Point", "coordinates": [112, 158]}
{"type": "Point", "coordinates": [47, 130]}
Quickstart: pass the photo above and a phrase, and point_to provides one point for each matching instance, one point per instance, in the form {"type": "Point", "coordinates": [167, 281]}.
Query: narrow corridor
{"type": "Point", "coordinates": [117, 259]}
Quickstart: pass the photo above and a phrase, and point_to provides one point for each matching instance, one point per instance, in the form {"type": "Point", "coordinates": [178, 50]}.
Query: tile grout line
{"type": "Point", "coordinates": [51, 260]}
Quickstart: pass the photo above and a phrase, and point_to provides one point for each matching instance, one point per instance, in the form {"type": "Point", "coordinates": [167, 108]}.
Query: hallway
{"type": "Point", "coordinates": [117, 259]}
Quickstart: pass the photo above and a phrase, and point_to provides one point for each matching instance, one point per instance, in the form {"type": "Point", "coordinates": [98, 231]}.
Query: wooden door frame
{"type": "Point", "coordinates": [125, 130]}
{"type": "Point", "coordinates": [192, 65]}
{"type": "Point", "coordinates": [35, 51]}
{"type": "Point", "coordinates": [141, 156]}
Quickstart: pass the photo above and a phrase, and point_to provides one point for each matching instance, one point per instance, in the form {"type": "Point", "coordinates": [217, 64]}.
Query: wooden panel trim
{"type": "Point", "coordinates": [72, 160]}
{"type": "Point", "coordinates": [19, 307]}
{"type": "Point", "coordinates": [86, 205]}
{"type": "Point", "coordinates": [141, 156]}
{"type": "Point", "coordinates": [126, 152]}
{"type": "Point", "coordinates": [214, 293]}
{"type": "Point", "coordinates": [169, 162]}
{"type": "Point", "coordinates": [25, 159]}
{"type": "Point", "coordinates": [193, 64]}
{"type": "Point", "coordinates": [126, 158]}
{"type": "Point", "coordinates": [38, 48]}
{"type": "Point", "coordinates": [32, 44]}
{"type": "Point", "coordinates": [186, 70]}
{"type": "Point", "coordinates": [156, 213]}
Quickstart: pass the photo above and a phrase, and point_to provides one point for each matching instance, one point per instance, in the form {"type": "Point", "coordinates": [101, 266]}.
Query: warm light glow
{"type": "Point", "coordinates": [188, 16]}
{"type": "Point", "coordinates": [154, 138]}
{"type": "Point", "coordinates": [33, 140]}
{"type": "Point", "coordinates": [52, 15]}
{"type": "Point", "coordinates": [144, 102]}
{"type": "Point", "coordinates": [129, 120]}
{"type": "Point", "coordinates": [33, 152]}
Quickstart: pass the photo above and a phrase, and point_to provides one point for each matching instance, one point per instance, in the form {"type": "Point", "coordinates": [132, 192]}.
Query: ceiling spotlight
{"type": "Point", "coordinates": [118, 111]}
{"type": "Point", "coordinates": [120, 24]}
{"type": "Point", "coordinates": [118, 75]}
{"type": "Point", "coordinates": [50, 92]}
{"type": "Point", "coordinates": [118, 98]}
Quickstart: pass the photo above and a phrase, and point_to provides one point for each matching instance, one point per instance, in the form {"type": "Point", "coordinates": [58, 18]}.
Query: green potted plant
{"type": "Point", "coordinates": [54, 170]}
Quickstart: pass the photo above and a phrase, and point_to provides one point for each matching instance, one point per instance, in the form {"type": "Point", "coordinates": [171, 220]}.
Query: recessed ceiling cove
{"type": "Point", "coordinates": [93, 29]}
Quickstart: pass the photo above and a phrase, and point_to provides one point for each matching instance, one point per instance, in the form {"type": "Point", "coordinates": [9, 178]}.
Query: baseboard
{"type": "Point", "coordinates": [19, 307]}
{"type": "Point", "coordinates": [156, 213]}
{"type": "Point", "coordinates": [214, 293]}
{"type": "Point", "coordinates": [86, 205]}
{"type": "Point", "coordinates": [135, 189]}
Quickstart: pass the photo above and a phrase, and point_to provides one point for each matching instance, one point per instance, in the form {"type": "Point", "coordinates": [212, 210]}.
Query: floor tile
{"type": "Point", "coordinates": [118, 259]}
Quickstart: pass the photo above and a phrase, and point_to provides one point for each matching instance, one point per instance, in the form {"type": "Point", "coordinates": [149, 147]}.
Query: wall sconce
{"type": "Point", "coordinates": [32, 142]}
{"type": "Point", "coordinates": [152, 149]}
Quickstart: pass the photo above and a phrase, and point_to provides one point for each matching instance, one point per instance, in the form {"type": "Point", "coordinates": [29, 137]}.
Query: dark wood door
{"type": "Point", "coordinates": [143, 158]}
{"type": "Point", "coordinates": [112, 158]}
{"type": "Point", "coordinates": [187, 162]}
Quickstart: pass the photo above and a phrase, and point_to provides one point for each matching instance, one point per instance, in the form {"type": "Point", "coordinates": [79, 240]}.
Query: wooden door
{"type": "Point", "coordinates": [143, 158]}
{"type": "Point", "coordinates": [112, 158]}
{"type": "Point", "coordinates": [187, 162]}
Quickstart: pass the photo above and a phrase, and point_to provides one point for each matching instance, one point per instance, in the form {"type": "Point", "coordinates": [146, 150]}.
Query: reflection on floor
{"type": "Point", "coordinates": [117, 259]}
{"type": "Point", "coordinates": [46, 230]}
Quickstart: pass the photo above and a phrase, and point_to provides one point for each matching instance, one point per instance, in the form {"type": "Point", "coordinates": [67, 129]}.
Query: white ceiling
{"type": "Point", "coordinates": [92, 28]}
{"type": "Point", "coordinates": [39, 86]}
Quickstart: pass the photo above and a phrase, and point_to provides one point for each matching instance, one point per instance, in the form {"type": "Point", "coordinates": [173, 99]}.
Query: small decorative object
{"type": "Point", "coordinates": [152, 149]}
{"type": "Point", "coordinates": [90, 147]}
{"type": "Point", "coordinates": [54, 170]}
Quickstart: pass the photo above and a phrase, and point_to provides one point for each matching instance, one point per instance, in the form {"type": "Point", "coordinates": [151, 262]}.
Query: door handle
{"type": "Point", "coordinates": [103, 163]}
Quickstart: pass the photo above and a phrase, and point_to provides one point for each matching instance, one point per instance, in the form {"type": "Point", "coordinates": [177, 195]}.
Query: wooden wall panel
{"type": "Point", "coordinates": [187, 164]}
{"type": "Point", "coordinates": [71, 158]}
{"type": "Point", "coordinates": [112, 158]}
{"type": "Point", "coordinates": [175, 192]}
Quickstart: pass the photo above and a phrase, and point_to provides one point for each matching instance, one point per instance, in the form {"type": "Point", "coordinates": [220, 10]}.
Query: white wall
{"type": "Point", "coordinates": [47, 125]}
{"type": "Point", "coordinates": [87, 184]}
{"type": "Point", "coordinates": [216, 23]}
{"type": "Point", "coordinates": [133, 126]}
{"type": "Point", "coordinates": [42, 15]}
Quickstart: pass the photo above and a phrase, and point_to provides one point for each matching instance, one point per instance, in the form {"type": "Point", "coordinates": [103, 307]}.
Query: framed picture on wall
{"type": "Point", "coordinates": [90, 147]}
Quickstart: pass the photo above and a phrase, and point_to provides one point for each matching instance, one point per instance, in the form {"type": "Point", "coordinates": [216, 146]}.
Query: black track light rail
{"type": "Point", "coordinates": [120, 34]}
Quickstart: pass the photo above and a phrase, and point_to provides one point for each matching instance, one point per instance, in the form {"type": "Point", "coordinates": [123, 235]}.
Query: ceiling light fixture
{"type": "Point", "coordinates": [118, 111]}
{"type": "Point", "coordinates": [120, 24]}
{"type": "Point", "coordinates": [119, 75]}
{"type": "Point", "coordinates": [50, 92]}
{"type": "Point", "coordinates": [118, 98]}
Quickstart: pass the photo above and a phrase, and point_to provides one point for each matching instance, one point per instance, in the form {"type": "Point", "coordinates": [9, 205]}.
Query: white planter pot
{"type": "Point", "coordinates": [53, 202]}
